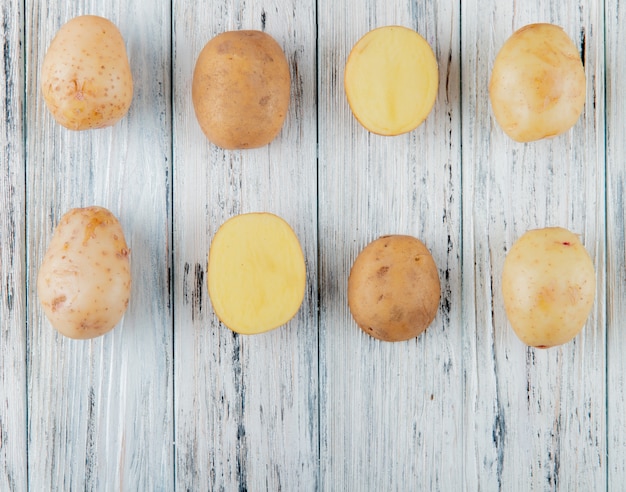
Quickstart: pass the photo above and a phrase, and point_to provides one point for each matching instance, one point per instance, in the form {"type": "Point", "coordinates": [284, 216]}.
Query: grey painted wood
{"type": "Point", "coordinates": [172, 400]}
{"type": "Point", "coordinates": [534, 419]}
{"type": "Point", "coordinates": [616, 241]}
{"type": "Point", "coordinates": [391, 413]}
{"type": "Point", "coordinates": [13, 300]}
{"type": "Point", "coordinates": [100, 411]}
{"type": "Point", "coordinates": [246, 407]}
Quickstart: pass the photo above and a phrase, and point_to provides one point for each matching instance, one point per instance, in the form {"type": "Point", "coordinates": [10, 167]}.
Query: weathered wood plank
{"type": "Point", "coordinates": [616, 240]}
{"type": "Point", "coordinates": [246, 407]}
{"type": "Point", "coordinates": [13, 299]}
{"type": "Point", "coordinates": [391, 413]}
{"type": "Point", "coordinates": [100, 411]}
{"type": "Point", "coordinates": [173, 400]}
{"type": "Point", "coordinates": [533, 419]}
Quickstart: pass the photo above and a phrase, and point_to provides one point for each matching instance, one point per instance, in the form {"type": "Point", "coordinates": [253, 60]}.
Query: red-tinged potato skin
{"type": "Point", "coordinates": [84, 281]}
{"type": "Point", "coordinates": [241, 89]}
{"type": "Point", "coordinates": [394, 289]}
{"type": "Point", "coordinates": [548, 286]}
{"type": "Point", "coordinates": [86, 80]}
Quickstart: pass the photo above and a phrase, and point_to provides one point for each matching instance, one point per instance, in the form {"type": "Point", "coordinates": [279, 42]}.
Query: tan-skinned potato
{"type": "Point", "coordinates": [86, 79]}
{"type": "Point", "coordinates": [548, 286]}
{"type": "Point", "coordinates": [537, 87]}
{"type": "Point", "coordinates": [84, 281]}
{"type": "Point", "coordinates": [394, 289]}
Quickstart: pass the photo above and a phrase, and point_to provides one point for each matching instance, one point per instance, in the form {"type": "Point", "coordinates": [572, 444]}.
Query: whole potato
{"type": "Point", "coordinates": [537, 86]}
{"type": "Point", "coordinates": [85, 76]}
{"type": "Point", "coordinates": [84, 280]}
{"type": "Point", "coordinates": [391, 80]}
{"type": "Point", "coordinates": [548, 284]}
{"type": "Point", "coordinates": [241, 89]}
{"type": "Point", "coordinates": [393, 288]}
{"type": "Point", "coordinates": [256, 273]}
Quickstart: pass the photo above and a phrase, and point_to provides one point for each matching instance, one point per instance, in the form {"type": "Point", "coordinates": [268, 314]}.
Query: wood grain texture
{"type": "Point", "coordinates": [616, 242]}
{"type": "Point", "coordinates": [246, 406]}
{"type": "Point", "coordinates": [172, 400]}
{"type": "Point", "coordinates": [535, 419]}
{"type": "Point", "coordinates": [100, 411]}
{"type": "Point", "coordinates": [391, 413]}
{"type": "Point", "coordinates": [13, 301]}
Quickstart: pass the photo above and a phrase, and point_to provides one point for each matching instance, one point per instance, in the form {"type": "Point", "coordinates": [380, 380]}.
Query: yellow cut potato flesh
{"type": "Point", "coordinates": [537, 85]}
{"type": "Point", "coordinates": [86, 79]}
{"type": "Point", "coordinates": [256, 273]}
{"type": "Point", "coordinates": [548, 285]}
{"type": "Point", "coordinates": [84, 281]}
{"type": "Point", "coordinates": [241, 89]}
{"type": "Point", "coordinates": [391, 80]}
{"type": "Point", "coordinates": [394, 289]}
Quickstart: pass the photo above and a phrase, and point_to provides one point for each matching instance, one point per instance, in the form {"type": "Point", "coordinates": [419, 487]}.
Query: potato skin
{"type": "Point", "coordinates": [548, 286]}
{"type": "Point", "coordinates": [86, 79]}
{"type": "Point", "coordinates": [241, 89]}
{"type": "Point", "coordinates": [537, 85]}
{"type": "Point", "coordinates": [394, 289]}
{"type": "Point", "coordinates": [84, 280]}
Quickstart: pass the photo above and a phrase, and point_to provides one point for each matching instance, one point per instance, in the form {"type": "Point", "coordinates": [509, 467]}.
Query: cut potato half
{"type": "Point", "coordinates": [256, 273]}
{"type": "Point", "coordinates": [391, 80]}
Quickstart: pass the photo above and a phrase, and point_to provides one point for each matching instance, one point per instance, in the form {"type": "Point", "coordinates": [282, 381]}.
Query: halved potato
{"type": "Point", "coordinates": [391, 80]}
{"type": "Point", "coordinates": [256, 273]}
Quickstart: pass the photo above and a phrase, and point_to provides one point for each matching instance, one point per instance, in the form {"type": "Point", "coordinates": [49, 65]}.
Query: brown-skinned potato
{"type": "Point", "coordinates": [394, 289]}
{"type": "Point", "coordinates": [241, 89]}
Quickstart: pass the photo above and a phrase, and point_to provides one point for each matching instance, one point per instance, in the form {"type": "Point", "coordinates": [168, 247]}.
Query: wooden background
{"type": "Point", "coordinates": [172, 400]}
